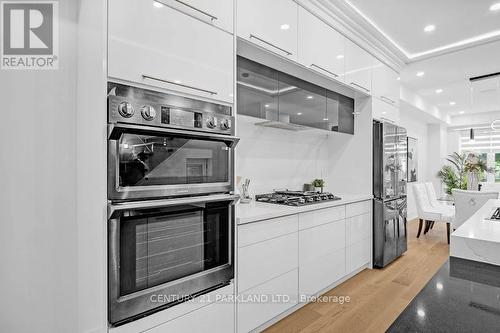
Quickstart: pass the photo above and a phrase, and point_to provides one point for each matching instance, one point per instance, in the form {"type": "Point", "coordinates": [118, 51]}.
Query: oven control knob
{"type": "Point", "coordinates": [148, 112]}
{"type": "Point", "coordinates": [211, 122]}
{"type": "Point", "coordinates": [126, 109]}
{"type": "Point", "coordinates": [225, 124]}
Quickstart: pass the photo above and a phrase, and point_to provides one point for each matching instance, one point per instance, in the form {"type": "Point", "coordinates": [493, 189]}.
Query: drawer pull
{"type": "Point", "coordinates": [325, 70]}
{"type": "Point", "coordinates": [359, 86]}
{"type": "Point", "coordinates": [178, 84]}
{"type": "Point", "coordinates": [212, 17]}
{"type": "Point", "coordinates": [270, 44]}
{"type": "Point", "coordinates": [388, 99]}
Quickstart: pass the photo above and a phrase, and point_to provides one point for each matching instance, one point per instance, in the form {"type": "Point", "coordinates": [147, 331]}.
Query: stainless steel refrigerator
{"type": "Point", "coordinates": [389, 191]}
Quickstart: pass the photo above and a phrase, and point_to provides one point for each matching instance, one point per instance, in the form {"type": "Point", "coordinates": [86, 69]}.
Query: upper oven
{"type": "Point", "coordinates": [162, 145]}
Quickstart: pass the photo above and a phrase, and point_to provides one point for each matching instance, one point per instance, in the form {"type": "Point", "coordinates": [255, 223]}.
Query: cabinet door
{"type": "Point", "coordinates": [218, 317]}
{"type": "Point", "coordinates": [320, 48]}
{"type": "Point", "coordinates": [270, 24]}
{"type": "Point", "coordinates": [219, 13]}
{"type": "Point", "coordinates": [384, 111]}
{"type": "Point", "coordinates": [358, 67]}
{"type": "Point", "coordinates": [321, 256]}
{"type": "Point", "coordinates": [196, 60]}
{"type": "Point", "coordinates": [264, 302]}
{"type": "Point", "coordinates": [385, 83]}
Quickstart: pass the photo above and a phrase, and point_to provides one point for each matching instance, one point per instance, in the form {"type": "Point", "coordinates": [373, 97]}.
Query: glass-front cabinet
{"type": "Point", "coordinates": [272, 95]}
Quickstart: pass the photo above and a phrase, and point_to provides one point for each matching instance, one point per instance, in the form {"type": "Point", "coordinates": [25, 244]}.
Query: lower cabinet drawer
{"type": "Point", "coordinates": [321, 272]}
{"type": "Point", "coordinates": [216, 317]}
{"type": "Point", "coordinates": [261, 262]}
{"type": "Point", "coordinates": [358, 254]}
{"type": "Point", "coordinates": [264, 302]}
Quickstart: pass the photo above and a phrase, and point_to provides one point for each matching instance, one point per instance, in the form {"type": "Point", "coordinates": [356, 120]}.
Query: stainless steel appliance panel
{"type": "Point", "coordinates": [390, 162]}
{"type": "Point", "coordinates": [401, 230]}
{"type": "Point", "coordinates": [385, 232]}
{"type": "Point", "coordinates": [401, 161]}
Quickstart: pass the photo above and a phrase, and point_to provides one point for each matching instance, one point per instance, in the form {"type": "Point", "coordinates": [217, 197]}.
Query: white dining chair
{"type": "Point", "coordinates": [431, 192]}
{"type": "Point", "coordinates": [430, 214]}
{"type": "Point", "coordinates": [469, 202]}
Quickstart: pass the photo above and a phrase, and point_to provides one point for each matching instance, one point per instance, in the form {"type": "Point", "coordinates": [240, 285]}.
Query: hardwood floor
{"type": "Point", "coordinates": [377, 296]}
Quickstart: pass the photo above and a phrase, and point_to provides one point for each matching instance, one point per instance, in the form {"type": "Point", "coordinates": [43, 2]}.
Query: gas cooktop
{"type": "Point", "coordinates": [296, 198]}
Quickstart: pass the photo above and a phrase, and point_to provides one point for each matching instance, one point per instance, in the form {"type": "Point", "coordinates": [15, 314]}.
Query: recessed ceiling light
{"type": "Point", "coordinates": [452, 103]}
{"type": "Point", "coordinates": [438, 91]}
{"type": "Point", "coordinates": [178, 81]}
{"type": "Point", "coordinates": [340, 56]}
{"type": "Point", "coordinates": [462, 112]}
{"type": "Point", "coordinates": [430, 28]}
{"type": "Point", "coordinates": [495, 7]}
{"type": "Point", "coordinates": [398, 78]}
{"type": "Point", "coordinates": [420, 73]}
{"type": "Point", "coordinates": [383, 112]}
{"type": "Point", "coordinates": [266, 105]}
{"type": "Point", "coordinates": [157, 4]}
{"type": "Point", "coordinates": [299, 113]}
{"type": "Point", "coordinates": [285, 26]}
{"type": "Point", "coordinates": [325, 119]}
{"type": "Point", "coordinates": [309, 97]}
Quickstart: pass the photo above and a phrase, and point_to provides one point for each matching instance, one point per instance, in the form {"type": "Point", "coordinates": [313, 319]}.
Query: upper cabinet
{"type": "Point", "coordinates": [358, 67]}
{"type": "Point", "coordinates": [196, 60]}
{"type": "Point", "coordinates": [215, 12]}
{"type": "Point", "coordinates": [385, 83]}
{"type": "Point", "coordinates": [320, 48]}
{"type": "Point", "coordinates": [269, 24]}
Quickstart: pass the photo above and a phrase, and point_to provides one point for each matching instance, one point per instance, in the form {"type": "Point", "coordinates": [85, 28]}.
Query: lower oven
{"type": "Point", "coordinates": [163, 252]}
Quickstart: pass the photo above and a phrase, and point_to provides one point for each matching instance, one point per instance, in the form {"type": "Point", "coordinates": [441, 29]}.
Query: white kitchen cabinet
{"type": "Point", "coordinates": [358, 236]}
{"type": "Point", "coordinates": [251, 233]}
{"type": "Point", "coordinates": [218, 13]}
{"type": "Point", "coordinates": [385, 83]}
{"type": "Point", "coordinates": [195, 60]}
{"type": "Point", "coordinates": [266, 301]}
{"type": "Point", "coordinates": [321, 216]}
{"type": "Point", "coordinates": [321, 256]}
{"type": "Point", "coordinates": [217, 317]}
{"type": "Point", "coordinates": [320, 47]}
{"type": "Point", "coordinates": [269, 24]}
{"type": "Point", "coordinates": [384, 111]}
{"type": "Point", "coordinates": [358, 67]}
{"type": "Point", "coordinates": [260, 262]}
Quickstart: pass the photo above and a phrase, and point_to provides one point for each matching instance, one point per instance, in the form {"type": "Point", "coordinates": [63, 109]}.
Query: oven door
{"type": "Point", "coordinates": [163, 252]}
{"type": "Point", "coordinates": [147, 162]}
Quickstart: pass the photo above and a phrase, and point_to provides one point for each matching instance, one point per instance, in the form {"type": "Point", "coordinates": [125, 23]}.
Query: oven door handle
{"type": "Point", "coordinates": [115, 207]}
{"type": "Point", "coordinates": [117, 129]}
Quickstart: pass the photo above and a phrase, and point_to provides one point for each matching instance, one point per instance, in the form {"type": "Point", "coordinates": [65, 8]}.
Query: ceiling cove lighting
{"type": "Point", "coordinates": [438, 91]}
{"type": "Point", "coordinates": [495, 7]}
{"type": "Point", "coordinates": [430, 28]}
{"type": "Point", "coordinates": [285, 26]}
{"type": "Point", "coordinates": [487, 36]}
{"type": "Point", "coordinates": [420, 74]}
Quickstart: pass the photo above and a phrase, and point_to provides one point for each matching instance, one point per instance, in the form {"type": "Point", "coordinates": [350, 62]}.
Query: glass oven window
{"type": "Point", "coordinates": [162, 245]}
{"type": "Point", "coordinates": [171, 160]}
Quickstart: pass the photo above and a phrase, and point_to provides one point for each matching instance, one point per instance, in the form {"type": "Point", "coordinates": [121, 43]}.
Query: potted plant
{"type": "Point", "coordinates": [453, 176]}
{"type": "Point", "coordinates": [474, 167]}
{"type": "Point", "coordinates": [319, 183]}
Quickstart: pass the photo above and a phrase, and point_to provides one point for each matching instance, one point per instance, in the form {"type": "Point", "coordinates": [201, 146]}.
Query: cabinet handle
{"type": "Point", "coordinates": [359, 86]}
{"type": "Point", "coordinates": [271, 44]}
{"type": "Point", "coordinates": [325, 70]}
{"type": "Point", "coordinates": [177, 84]}
{"type": "Point", "coordinates": [388, 99]}
{"type": "Point", "coordinates": [212, 17]}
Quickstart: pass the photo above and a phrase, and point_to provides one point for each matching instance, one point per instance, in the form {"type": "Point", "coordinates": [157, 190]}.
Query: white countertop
{"type": "Point", "coordinates": [256, 211]}
{"type": "Point", "coordinates": [478, 239]}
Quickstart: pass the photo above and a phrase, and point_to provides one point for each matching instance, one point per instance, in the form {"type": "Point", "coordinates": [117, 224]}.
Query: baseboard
{"type": "Point", "coordinates": [298, 306]}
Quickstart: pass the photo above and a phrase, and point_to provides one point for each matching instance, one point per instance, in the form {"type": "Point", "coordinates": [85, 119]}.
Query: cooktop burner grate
{"type": "Point", "coordinates": [296, 198]}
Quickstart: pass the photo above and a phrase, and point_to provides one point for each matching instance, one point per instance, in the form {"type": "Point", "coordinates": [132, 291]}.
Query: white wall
{"type": "Point", "coordinates": [416, 128]}
{"type": "Point", "coordinates": [274, 158]}
{"type": "Point", "coordinates": [38, 240]}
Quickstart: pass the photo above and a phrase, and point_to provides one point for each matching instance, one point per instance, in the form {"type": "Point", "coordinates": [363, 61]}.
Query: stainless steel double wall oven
{"type": "Point", "coordinates": [170, 200]}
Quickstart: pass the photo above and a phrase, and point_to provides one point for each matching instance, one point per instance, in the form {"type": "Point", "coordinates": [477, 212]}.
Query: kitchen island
{"type": "Point", "coordinates": [478, 239]}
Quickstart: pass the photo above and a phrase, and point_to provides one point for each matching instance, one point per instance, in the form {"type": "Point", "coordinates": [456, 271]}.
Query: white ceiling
{"type": "Point", "coordinates": [451, 73]}
{"type": "Point", "coordinates": [459, 23]}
